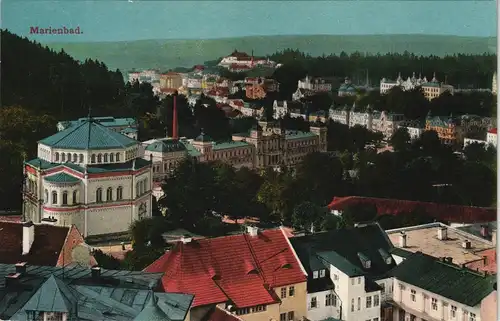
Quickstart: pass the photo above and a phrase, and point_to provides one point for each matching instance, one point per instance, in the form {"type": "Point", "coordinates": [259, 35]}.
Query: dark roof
{"type": "Point", "coordinates": [94, 168]}
{"type": "Point", "coordinates": [47, 244]}
{"type": "Point", "coordinates": [401, 252]}
{"type": "Point", "coordinates": [445, 279]}
{"type": "Point", "coordinates": [115, 295]}
{"type": "Point", "coordinates": [166, 146]}
{"type": "Point", "coordinates": [342, 249]}
{"type": "Point", "coordinates": [203, 138]}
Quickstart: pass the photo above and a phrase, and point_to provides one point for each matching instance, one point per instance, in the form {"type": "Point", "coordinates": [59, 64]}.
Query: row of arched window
{"type": "Point", "coordinates": [31, 186]}
{"type": "Point", "coordinates": [109, 194]}
{"type": "Point", "coordinates": [141, 187]}
{"type": "Point", "coordinates": [94, 158]}
{"type": "Point", "coordinates": [54, 197]}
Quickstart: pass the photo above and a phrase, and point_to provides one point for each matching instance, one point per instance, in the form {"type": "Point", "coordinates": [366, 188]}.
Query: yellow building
{"type": "Point", "coordinates": [448, 129]}
{"type": "Point", "coordinates": [171, 80]}
{"type": "Point", "coordinates": [435, 88]}
{"type": "Point", "coordinates": [254, 276]}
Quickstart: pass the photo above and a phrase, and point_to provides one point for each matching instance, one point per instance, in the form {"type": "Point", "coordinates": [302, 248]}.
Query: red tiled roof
{"type": "Point", "coordinates": [446, 212]}
{"type": "Point", "coordinates": [488, 264]}
{"type": "Point", "coordinates": [218, 314]}
{"type": "Point", "coordinates": [238, 102]}
{"type": "Point", "coordinates": [492, 131]}
{"type": "Point", "coordinates": [216, 270]}
{"type": "Point", "coordinates": [46, 247]}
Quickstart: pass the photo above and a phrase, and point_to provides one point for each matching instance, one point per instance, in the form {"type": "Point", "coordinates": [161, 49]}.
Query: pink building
{"type": "Point", "coordinates": [489, 306]}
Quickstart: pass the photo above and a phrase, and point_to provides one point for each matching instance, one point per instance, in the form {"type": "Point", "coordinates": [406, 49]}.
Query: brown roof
{"type": "Point", "coordinates": [47, 245]}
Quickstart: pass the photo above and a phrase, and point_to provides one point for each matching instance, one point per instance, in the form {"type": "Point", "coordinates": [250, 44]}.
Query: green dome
{"type": "Point", "coordinates": [203, 138]}
{"type": "Point", "coordinates": [166, 146]}
{"type": "Point", "coordinates": [152, 311]}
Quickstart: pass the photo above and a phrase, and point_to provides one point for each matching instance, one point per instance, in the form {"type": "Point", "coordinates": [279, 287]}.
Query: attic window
{"type": "Point", "coordinates": [385, 256]}
{"type": "Point", "coordinates": [322, 273]}
{"type": "Point", "coordinates": [367, 263]}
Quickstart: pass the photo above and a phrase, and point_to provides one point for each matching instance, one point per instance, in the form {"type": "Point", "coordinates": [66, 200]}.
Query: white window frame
{"type": "Point", "coordinates": [315, 274]}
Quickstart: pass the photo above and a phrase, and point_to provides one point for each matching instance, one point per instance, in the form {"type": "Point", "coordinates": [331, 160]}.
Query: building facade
{"type": "Point", "coordinates": [90, 176]}
{"type": "Point", "coordinates": [494, 86]}
{"type": "Point", "coordinates": [171, 80]}
{"type": "Point", "coordinates": [449, 129]}
{"type": "Point", "coordinates": [491, 137]}
{"type": "Point", "coordinates": [431, 89]}
{"type": "Point", "coordinates": [125, 126]}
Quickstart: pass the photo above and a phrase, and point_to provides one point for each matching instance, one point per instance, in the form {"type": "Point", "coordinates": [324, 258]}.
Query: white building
{"type": "Point", "coordinates": [315, 84]}
{"type": "Point", "coordinates": [280, 109]}
{"type": "Point", "coordinates": [414, 128]}
{"type": "Point", "coordinates": [243, 59]}
{"type": "Point", "coordinates": [149, 76]}
{"type": "Point", "coordinates": [347, 272]}
{"type": "Point", "coordinates": [431, 89]}
{"type": "Point", "coordinates": [491, 137]}
{"type": "Point", "coordinates": [90, 176]}
{"type": "Point", "coordinates": [494, 86]}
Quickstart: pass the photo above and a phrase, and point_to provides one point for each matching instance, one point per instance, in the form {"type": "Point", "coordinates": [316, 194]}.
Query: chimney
{"type": "Point", "coordinates": [175, 134]}
{"type": "Point", "coordinates": [494, 236]}
{"type": "Point", "coordinates": [186, 239]}
{"type": "Point", "coordinates": [28, 236]}
{"type": "Point", "coordinates": [442, 233]}
{"type": "Point", "coordinates": [466, 244]}
{"type": "Point", "coordinates": [402, 239]}
{"type": "Point", "coordinates": [95, 272]}
{"type": "Point", "coordinates": [12, 279]}
{"type": "Point", "coordinates": [21, 267]}
{"type": "Point", "coordinates": [485, 231]}
{"type": "Point", "coordinates": [252, 230]}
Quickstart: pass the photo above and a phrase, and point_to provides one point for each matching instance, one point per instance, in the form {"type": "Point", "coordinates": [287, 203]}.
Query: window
{"type": "Point", "coordinates": [63, 157]}
{"type": "Point", "coordinates": [412, 317]}
{"type": "Point", "coordinates": [75, 197]}
{"type": "Point", "coordinates": [92, 159]}
{"type": "Point", "coordinates": [109, 194]}
{"type": "Point", "coordinates": [315, 274]}
{"type": "Point", "coordinates": [352, 305]}
{"type": "Point", "coordinates": [119, 193]}
{"type": "Point", "coordinates": [81, 158]}
{"type": "Point", "coordinates": [382, 288]}
{"type": "Point", "coordinates": [75, 158]}
{"type": "Point", "coordinates": [376, 300]}
{"type": "Point", "coordinates": [259, 308]}
{"type": "Point", "coordinates": [434, 304]}
{"type": "Point", "coordinates": [335, 277]}
{"type": "Point", "coordinates": [453, 311]}
{"type": "Point", "coordinates": [283, 293]}
{"type": "Point", "coordinates": [330, 300]}
{"type": "Point", "coordinates": [413, 295]}
{"type": "Point", "coordinates": [322, 273]}
{"type": "Point", "coordinates": [368, 302]}
{"type": "Point", "coordinates": [111, 157]}
{"type": "Point", "coordinates": [105, 158]}
{"type": "Point", "coordinates": [57, 157]}
{"type": "Point", "coordinates": [142, 214]}
{"type": "Point", "coordinates": [242, 311]}
{"type": "Point", "coordinates": [54, 316]}
{"type": "Point", "coordinates": [359, 303]}
{"type": "Point", "coordinates": [352, 281]}
{"type": "Point", "coordinates": [359, 280]}
{"type": "Point", "coordinates": [117, 157]}
{"type": "Point", "coordinates": [98, 195]}
{"type": "Point", "coordinates": [65, 198]}
{"type": "Point", "coordinates": [99, 158]}
{"type": "Point", "coordinates": [291, 291]}
{"type": "Point", "coordinates": [472, 317]}
{"type": "Point", "coordinates": [283, 317]}
{"type": "Point", "coordinates": [314, 303]}
{"type": "Point", "coordinates": [290, 316]}
{"type": "Point", "coordinates": [46, 196]}
{"type": "Point", "coordinates": [54, 198]}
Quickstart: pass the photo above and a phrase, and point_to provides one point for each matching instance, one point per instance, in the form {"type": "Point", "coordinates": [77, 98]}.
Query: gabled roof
{"type": "Point", "coordinates": [216, 270]}
{"type": "Point", "coordinates": [445, 279]}
{"type": "Point", "coordinates": [342, 249]}
{"type": "Point", "coordinates": [166, 145]}
{"type": "Point", "coordinates": [47, 245]}
{"type": "Point", "coordinates": [89, 134]}
{"type": "Point", "coordinates": [446, 212]}
{"type": "Point", "coordinates": [61, 177]}
{"type": "Point", "coordinates": [53, 296]}
{"type": "Point", "coordinates": [492, 131]}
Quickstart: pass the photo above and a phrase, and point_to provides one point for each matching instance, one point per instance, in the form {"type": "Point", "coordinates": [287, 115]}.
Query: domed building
{"type": "Point", "coordinates": [90, 176]}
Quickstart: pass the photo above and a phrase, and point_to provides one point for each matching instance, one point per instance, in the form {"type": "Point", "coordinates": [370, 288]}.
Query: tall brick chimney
{"type": "Point", "coordinates": [175, 134]}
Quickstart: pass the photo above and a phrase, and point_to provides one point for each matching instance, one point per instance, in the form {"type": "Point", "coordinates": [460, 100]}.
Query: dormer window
{"type": "Point", "coordinates": [54, 316]}
{"type": "Point", "coordinates": [315, 274]}
{"type": "Point", "coordinates": [322, 273]}
{"type": "Point", "coordinates": [385, 256]}
{"type": "Point", "coordinates": [365, 261]}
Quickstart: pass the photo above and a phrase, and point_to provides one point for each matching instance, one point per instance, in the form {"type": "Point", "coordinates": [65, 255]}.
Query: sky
{"type": "Point", "coordinates": [121, 20]}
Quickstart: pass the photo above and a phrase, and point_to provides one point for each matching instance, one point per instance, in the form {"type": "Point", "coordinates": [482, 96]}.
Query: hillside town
{"type": "Point", "coordinates": [229, 195]}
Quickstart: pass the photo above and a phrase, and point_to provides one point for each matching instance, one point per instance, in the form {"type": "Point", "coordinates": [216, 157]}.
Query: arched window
{"type": "Point", "coordinates": [63, 157]}
{"type": "Point", "coordinates": [65, 198]}
{"type": "Point", "coordinates": [141, 187]}
{"type": "Point", "coordinates": [111, 157]}
{"type": "Point", "coordinates": [142, 211]}
{"type": "Point", "coordinates": [81, 158]}
{"type": "Point", "coordinates": [109, 194]}
{"type": "Point", "coordinates": [57, 157]}
{"type": "Point", "coordinates": [46, 199]}
{"type": "Point", "coordinates": [117, 157]}
{"type": "Point", "coordinates": [75, 197]}
{"type": "Point", "coordinates": [69, 157]}
{"type": "Point", "coordinates": [75, 158]}
{"type": "Point", "coordinates": [98, 195]}
{"type": "Point", "coordinates": [54, 197]}
{"type": "Point", "coordinates": [137, 189]}
{"type": "Point", "coordinates": [93, 159]}
{"type": "Point", "coordinates": [119, 192]}
{"type": "Point", "coordinates": [99, 158]}
{"type": "Point", "coordinates": [146, 187]}
{"type": "Point", "coordinates": [105, 158]}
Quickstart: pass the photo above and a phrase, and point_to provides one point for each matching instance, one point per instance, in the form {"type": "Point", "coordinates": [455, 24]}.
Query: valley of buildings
{"type": "Point", "coordinates": [93, 178]}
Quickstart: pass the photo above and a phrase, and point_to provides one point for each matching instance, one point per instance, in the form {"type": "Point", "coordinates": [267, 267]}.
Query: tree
{"type": "Point", "coordinates": [106, 261]}
{"type": "Point", "coordinates": [400, 139]}
{"type": "Point", "coordinates": [430, 143]}
{"type": "Point", "coordinates": [360, 137]}
{"type": "Point", "coordinates": [211, 119]}
{"type": "Point", "coordinates": [308, 215]}
{"type": "Point", "coordinates": [358, 213]}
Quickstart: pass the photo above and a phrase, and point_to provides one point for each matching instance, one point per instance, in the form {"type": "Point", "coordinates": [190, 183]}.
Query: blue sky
{"type": "Point", "coordinates": [120, 20]}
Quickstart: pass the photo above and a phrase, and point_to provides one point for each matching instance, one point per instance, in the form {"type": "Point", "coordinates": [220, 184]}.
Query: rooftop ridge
{"type": "Point", "coordinates": [70, 130]}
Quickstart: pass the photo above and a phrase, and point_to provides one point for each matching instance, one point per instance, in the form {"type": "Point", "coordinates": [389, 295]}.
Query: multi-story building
{"type": "Point", "coordinates": [494, 86]}
{"type": "Point", "coordinates": [255, 275]}
{"type": "Point", "coordinates": [426, 288]}
{"type": "Point", "coordinates": [125, 126]}
{"type": "Point", "coordinates": [491, 137]}
{"type": "Point", "coordinates": [171, 80]}
{"type": "Point", "coordinates": [79, 293]}
{"type": "Point", "coordinates": [347, 273]}
{"type": "Point", "coordinates": [90, 176]}
{"type": "Point", "coordinates": [449, 129]}
{"type": "Point", "coordinates": [315, 84]}
{"type": "Point", "coordinates": [431, 89]}
{"type": "Point", "coordinates": [148, 76]}
{"type": "Point", "coordinates": [414, 128]}
{"type": "Point", "coordinates": [243, 60]}
{"type": "Point", "coordinates": [347, 89]}
{"type": "Point", "coordinates": [386, 123]}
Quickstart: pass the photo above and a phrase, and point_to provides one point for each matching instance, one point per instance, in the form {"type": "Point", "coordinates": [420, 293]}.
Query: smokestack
{"type": "Point", "coordinates": [175, 134]}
